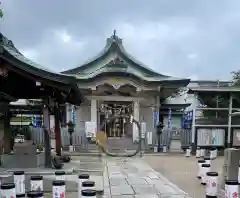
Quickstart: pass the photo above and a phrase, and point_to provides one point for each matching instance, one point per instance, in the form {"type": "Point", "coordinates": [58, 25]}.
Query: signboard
{"type": "Point", "coordinates": [143, 130]}
{"type": "Point", "coordinates": [90, 129]}
{"type": "Point", "coordinates": [169, 118]}
{"type": "Point", "coordinates": [52, 126]}
{"type": "Point", "coordinates": [73, 114]}
{"type": "Point", "coordinates": [210, 137]}
{"type": "Point", "coordinates": [155, 118]}
{"type": "Point", "coordinates": [236, 137]}
{"type": "Point", "coordinates": [149, 138]}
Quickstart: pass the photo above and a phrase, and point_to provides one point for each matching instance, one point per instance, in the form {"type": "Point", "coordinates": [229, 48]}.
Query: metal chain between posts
{"type": "Point", "coordinates": [139, 135]}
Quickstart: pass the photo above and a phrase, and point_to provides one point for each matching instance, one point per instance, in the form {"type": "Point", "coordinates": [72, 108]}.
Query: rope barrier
{"type": "Point", "coordinates": [103, 149]}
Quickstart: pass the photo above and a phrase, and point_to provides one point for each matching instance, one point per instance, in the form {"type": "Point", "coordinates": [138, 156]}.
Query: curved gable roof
{"type": "Point", "coordinates": [11, 54]}
{"type": "Point", "coordinates": [114, 44]}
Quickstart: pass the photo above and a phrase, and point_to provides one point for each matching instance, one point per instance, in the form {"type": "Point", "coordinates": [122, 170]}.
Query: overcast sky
{"type": "Point", "coordinates": [183, 38]}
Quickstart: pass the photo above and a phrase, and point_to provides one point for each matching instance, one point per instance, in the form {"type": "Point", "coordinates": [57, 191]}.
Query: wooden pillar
{"type": "Point", "coordinates": [57, 129]}
{"type": "Point", "coordinates": [46, 128]}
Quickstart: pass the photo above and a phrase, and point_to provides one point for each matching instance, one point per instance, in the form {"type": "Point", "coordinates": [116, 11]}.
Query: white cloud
{"type": "Point", "coordinates": [56, 49]}
{"type": "Point", "coordinates": [192, 56]}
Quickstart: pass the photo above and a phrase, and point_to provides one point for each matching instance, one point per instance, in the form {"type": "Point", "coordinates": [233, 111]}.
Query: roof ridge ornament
{"type": "Point", "coordinates": [115, 38]}
{"type": "Point", "coordinates": [114, 33]}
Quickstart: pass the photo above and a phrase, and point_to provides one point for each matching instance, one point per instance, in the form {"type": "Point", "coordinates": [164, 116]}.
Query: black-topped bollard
{"type": "Point", "coordinates": [59, 188]}
{"type": "Point", "coordinates": [205, 168]}
{"type": "Point", "coordinates": [89, 193]}
{"type": "Point", "coordinates": [8, 190]}
{"type": "Point", "coordinates": [19, 180]}
{"type": "Point", "coordinates": [81, 178]}
{"type": "Point", "coordinates": [36, 183]}
{"type": "Point", "coordinates": [200, 162]}
{"type": "Point", "coordinates": [60, 175]}
{"type": "Point", "coordinates": [212, 185]}
{"type": "Point", "coordinates": [207, 160]}
{"type": "Point", "coordinates": [231, 189]}
{"type": "Point", "coordinates": [37, 194]}
{"type": "Point", "coordinates": [88, 185]}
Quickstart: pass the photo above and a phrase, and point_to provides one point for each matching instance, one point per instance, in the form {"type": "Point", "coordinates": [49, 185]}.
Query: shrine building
{"type": "Point", "coordinates": [114, 82]}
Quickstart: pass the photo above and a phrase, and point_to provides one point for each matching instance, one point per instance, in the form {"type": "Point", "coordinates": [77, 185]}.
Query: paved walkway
{"type": "Point", "coordinates": [182, 171]}
{"type": "Point", "coordinates": [132, 177]}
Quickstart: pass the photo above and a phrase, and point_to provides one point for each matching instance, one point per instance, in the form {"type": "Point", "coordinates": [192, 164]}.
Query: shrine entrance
{"type": "Point", "coordinates": [120, 127]}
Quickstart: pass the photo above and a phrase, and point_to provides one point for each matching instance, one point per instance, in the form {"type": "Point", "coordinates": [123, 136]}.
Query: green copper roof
{"type": "Point", "coordinates": [123, 62]}
{"type": "Point", "coordinates": [7, 47]}
{"type": "Point", "coordinates": [10, 54]}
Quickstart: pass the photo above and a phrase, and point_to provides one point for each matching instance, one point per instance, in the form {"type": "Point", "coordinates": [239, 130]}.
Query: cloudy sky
{"type": "Point", "coordinates": [183, 38]}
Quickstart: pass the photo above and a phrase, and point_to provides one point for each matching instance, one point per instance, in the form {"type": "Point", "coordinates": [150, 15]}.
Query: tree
{"type": "Point", "coordinates": [235, 78]}
{"type": "Point", "coordinates": [1, 12]}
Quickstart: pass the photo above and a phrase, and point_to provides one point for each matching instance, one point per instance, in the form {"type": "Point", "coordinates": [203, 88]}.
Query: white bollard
{"type": "Point", "coordinates": [8, 190]}
{"type": "Point", "coordinates": [88, 185]}
{"type": "Point", "coordinates": [81, 178]}
{"type": "Point", "coordinates": [207, 160]}
{"type": "Point", "coordinates": [58, 189]}
{"type": "Point", "coordinates": [188, 152]}
{"type": "Point", "coordinates": [239, 174]}
{"type": "Point", "coordinates": [231, 189]}
{"type": "Point", "coordinates": [205, 168]}
{"type": "Point", "coordinates": [36, 183]}
{"type": "Point", "coordinates": [198, 153]}
{"type": "Point", "coordinates": [212, 185]}
{"type": "Point", "coordinates": [88, 193]}
{"type": "Point", "coordinates": [19, 180]}
{"type": "Point", "coordinates": [216, 153]}
{"type": "Point", "coordinates": [213, 153]}
{"type": "Point", "coordinates": [155, 149]}
{"type": "Point", "coordinates": [200, 162]}
{"type": "Point", "coordinates": [34, 194]}
{"type": "Point", "coordinates": [71, 148]}
{"type": "Point", "coordinates": [202, 152]}
{"type": "Point", "coordinates": [164, 149]}
{"type": "Point", "coordinates": [60, 175]}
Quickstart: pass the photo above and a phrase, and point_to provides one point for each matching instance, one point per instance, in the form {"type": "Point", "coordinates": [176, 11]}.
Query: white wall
{"type": "Point", "coordinates": [185, 99]}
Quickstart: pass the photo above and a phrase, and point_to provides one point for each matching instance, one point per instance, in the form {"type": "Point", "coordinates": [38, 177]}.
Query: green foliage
{"type": "Point", "coordinates": [40, 147]}
{"type": "Point", "coordinates": [1, 12]}
{"type": "Point", "coordinates": [235, 78]}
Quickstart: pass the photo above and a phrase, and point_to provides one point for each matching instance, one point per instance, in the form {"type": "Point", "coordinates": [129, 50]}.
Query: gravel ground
{"type": "Point", "coordinates": [182, 171]}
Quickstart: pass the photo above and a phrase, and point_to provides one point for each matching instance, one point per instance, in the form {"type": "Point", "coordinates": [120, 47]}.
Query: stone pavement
{"type": "Point", "coordinates": [132, 177]}
{"type": "Point", "coordinates": [182, 171]}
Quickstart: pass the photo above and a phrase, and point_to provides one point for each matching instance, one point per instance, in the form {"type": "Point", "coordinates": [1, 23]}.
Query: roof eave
{"type": "Point", "coordinates": [214, 89]}
{"type": "Point", "coordinates": [58, 78]}
{"type": "Point", "coordinates": [8, 57]}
